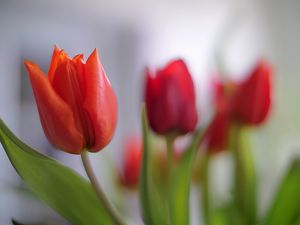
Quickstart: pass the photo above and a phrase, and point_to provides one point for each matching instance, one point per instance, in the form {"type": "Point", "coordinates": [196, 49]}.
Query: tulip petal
{"type": "Point", "coordinates": [190, 113]}
{"type": "Point", "coordinates": [168, 103]}
{"type": "Point", "coordinates": [58, 57]}
{"type": "Point", "coordinates": [188, 104]}
{"type": "Point", "coordinates": [170, 99]}
{"type": "Point", "coordinates": [185, 95]}
{"type": "Point", "coordinates": [151, 95]}
{"type": "Point", "coordinates": [179, 68]}
{"type": "Point", "coordinates": [69, 84]}
{"type": "Point", "coordinates": [216, 136]}
{"type": "Point", "coordinates": [132, 157]}
{"type": "Point", "coordinates": [56, 116]}
{"type": "Point", "coordinates": [253, 98]}
{"type": "Point", "coordinates": [224, 94]}
{"type": "Point", "coordinates": [100, 102]}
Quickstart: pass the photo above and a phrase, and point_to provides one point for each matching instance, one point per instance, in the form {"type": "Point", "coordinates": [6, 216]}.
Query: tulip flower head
{"type": "Point", "coordinates": [170, 99]}
{"type": "Point", "coordinates": [217, 133]}
{"type": "Point", "coordinates": [76, 103]}
{"type": "Point", "coordinates": [131, 165]}
{"type": "Point", "coordinates": [247, 103]}
{"type": "Point", "coordinates": [253, 97]}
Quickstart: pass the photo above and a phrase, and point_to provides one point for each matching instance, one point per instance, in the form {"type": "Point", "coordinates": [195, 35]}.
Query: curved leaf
{"type": "Point", "coordinates": [57, 185]}
{"type": "Point", "coordinates": [181, 179]}
{"type": "Point", "coordinates": [285, 209]}
{"type": "Point", "coordinates": [245, 197]}
{"type": "Point", "coordinates": [152, 203]}
{"type": "Point", "coordinates": [14, 222]}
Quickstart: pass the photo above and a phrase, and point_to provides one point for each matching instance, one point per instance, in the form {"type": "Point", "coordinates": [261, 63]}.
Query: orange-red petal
{"type": "Point", "coordinates": [100, 102]}
{"type": "Point", "coordinates": [56, 116]}
{"type": "Point", "coordinates": [58, 57]}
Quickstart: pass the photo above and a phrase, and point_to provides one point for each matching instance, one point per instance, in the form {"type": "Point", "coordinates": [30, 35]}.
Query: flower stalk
{"type": "Point", "coordinates": [97, 188]}
{"type": "Point", "coordinates": [170, 153]}
{"type": "Point", "coordinates": [206, 206]}
{"type": "Point", "coordinates": [245, 181]}
{"type": "Point", "coordinates": [170, 167]}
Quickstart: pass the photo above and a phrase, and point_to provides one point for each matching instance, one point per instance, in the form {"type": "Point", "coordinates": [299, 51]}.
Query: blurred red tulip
{"type": "Point", "coordinates": [170, 99]}
{"type": "Point", "coordinates": [76, 103]}
{"type": "Point", "coordinates": [247, 103]}
{"type": "Point", "coordinates": [253, 96]}
{"type": "Point", "coordinates": [131, 164]}
{"type": "Point", "coordinates": [217, 133]}
{"type": "Point", "coordinates": [223, 96]}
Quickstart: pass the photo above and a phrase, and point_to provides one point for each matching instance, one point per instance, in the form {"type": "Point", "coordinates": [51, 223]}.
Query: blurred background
{"type": "Point", "coordinates": [129, 36]}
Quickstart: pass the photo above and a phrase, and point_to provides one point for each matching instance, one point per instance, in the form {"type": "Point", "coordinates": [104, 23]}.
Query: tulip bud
{"type": "Point", "coordinates": [253, 96]}
{"type": "Point", "coordinates": [217, 133]}
{"type": "Point", "coordinates": [76, 103]}
{"type": "Point", "coordinates": [247, 103]}
{"type": "Point", "coordinates": [170, 99]}
{"type": "Point", "coordinates": [131, 164]}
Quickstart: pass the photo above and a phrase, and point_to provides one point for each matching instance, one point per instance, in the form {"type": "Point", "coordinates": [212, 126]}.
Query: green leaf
{"type": "Point", "coordinates": [220, 217]}
{"type": "Point", "coordinates": [245, 178]}
{"type": "Point", "coordinates": [57, 185]}
{"type": "Point", "coordinates": [297, 221]}
{"type": "Point", "coordinates": [223, 214]}
{"type": "Point", "coordinates": [285, 209]}
{"type": "Point", "coordinates": [152, 203]}
{"type": "Point", "coordinates": [181, 179]}
{"type": "Point", "coordinates": [205, 188]}
{"type": "Point", "coordinates": [14, 222]}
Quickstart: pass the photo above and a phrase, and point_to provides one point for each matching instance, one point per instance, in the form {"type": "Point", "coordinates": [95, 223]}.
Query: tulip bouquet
{"type": "Point", "coordinates": [78, 112]}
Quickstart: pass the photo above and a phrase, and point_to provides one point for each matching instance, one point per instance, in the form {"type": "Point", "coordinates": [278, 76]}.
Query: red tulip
{"type": "Point", "coordinates": [76, 103]}
{"type": "Point", "coordinates": [224, 96]}
{"type": "Point", "coordinates": [129, 175]}
{"type": "Point", "coordinates": [253, 96]}
{"type": "Point", "coordinates": [217, 133]}
{"type": "Point", "coordinates": [247, 103]}
{"type": "Point", "coordinates": [170, 99]}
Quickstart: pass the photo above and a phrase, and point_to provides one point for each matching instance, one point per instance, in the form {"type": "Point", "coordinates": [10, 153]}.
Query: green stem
{"type": "Point", "coordinates": [170, 153]}
{"type": "Point", "coordinates": [97, 188]}
{"type": "Point", "coordinates": [170, 166]}
{"type": "Point", "coordinates": [245, 182]}
{"type": "Point", "coordinates": [206, 189]}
